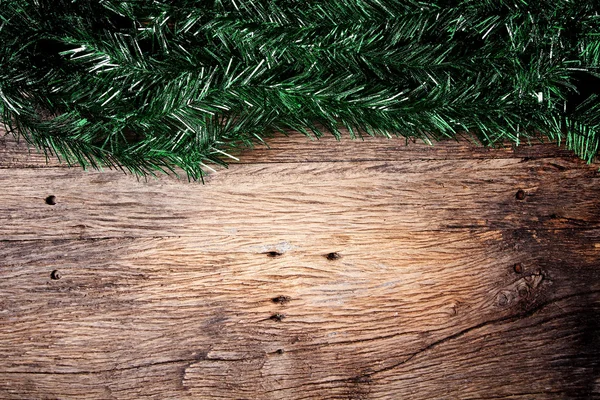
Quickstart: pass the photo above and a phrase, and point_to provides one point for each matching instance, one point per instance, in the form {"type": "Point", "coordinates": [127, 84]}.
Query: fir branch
{"type": "Point", "coordinates": [150, 86]}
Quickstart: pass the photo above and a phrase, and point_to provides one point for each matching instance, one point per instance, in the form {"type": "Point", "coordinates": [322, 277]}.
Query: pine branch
{"type": "Point", "coordinates": [150, 86]}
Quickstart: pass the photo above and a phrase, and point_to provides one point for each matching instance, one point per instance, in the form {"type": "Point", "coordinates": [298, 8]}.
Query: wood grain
{"type": "Point", "coordinates": [297, 148]}
{"type": "Point", "coordinates": [318, 276]}
{"type": "Point", "coordinates": [301, 325]}
{"type": "Point", "coordinates": [303, 198]}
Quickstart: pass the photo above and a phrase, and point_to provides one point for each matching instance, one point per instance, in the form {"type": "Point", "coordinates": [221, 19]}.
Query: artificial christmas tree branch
{"type": "Point", "coordinates": [151, 86]}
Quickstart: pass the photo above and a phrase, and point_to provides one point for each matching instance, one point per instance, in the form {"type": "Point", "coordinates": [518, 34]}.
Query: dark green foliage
{"type": "Point", "coordinates": [154, 85]}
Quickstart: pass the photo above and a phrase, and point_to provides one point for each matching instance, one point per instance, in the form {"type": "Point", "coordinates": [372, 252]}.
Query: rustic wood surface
{"type": "Point", "coordinates": [311, 270]}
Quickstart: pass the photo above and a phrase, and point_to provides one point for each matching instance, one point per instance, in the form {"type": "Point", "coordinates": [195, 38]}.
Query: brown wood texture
{"type": "Point", "coordinates": [310, 270]}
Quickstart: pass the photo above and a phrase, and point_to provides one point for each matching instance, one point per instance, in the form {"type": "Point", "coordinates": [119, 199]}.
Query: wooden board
{"type": "Point", "coordinates": [297, 148]}
{"type": "Point", "coordinates": [309, 271]}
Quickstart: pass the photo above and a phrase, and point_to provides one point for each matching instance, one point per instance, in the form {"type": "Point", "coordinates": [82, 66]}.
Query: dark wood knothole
{"type": "Point", "coordinates": [520, 194]}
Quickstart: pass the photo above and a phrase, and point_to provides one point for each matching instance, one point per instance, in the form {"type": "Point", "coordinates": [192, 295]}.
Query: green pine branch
{"type": "Point", "coordinates": [152, 86]}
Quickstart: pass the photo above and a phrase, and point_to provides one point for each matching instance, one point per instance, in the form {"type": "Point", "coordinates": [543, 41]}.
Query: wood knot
{"type": "Point", "coordinates": [523, 289]}
{"type": "Point", "coordinates": [504, 298]}
{"type": "Point", "coordinates": [454, 309]}
{"type": "Point", "coordinates": [273, 254]}
{"type": "Point", "coordinates": [333, 256]}
{"type": "Point", "coordinates": [51, 200]}
{"type": "Point", "coordinates": [520, 194]}
{"type": "Point", "coordinates": [279, 351]}
{"type": "Point", "coordinates": [55, 275]}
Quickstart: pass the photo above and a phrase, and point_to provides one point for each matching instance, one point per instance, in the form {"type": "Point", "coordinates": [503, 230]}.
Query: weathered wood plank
{"type": "Point", "coordinates": [298, 148]}
{"type": "Point", "coordinates": [411, 315]}
{"type": "Point", "coordinates": [311, 270]}
{"type": "Point", "coordinates": [15, 154]}
{"type": "Point", "coordinates": [309, 198]}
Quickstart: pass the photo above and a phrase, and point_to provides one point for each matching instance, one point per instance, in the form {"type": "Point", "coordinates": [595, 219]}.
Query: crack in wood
{"type": "Point", "coordinates": [463, 332]}
{"type": "Point", "coordinates": [454, 228]}
{"type": "Point", "coordinates": [366, 377]}
{"type": "Point", "coordinates": [516, 395]}
{"type": "Point", "coordinates": [135, 367]}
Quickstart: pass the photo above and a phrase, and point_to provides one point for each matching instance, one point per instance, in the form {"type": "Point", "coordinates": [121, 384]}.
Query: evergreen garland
{"type": "Point", "coordinates": [152, 85]}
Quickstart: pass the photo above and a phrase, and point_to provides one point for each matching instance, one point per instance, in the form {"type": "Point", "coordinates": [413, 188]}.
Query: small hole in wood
{"type": "Point", "coordinates": [520, 194]}
{"type": "Point", "coordinates": [279, 351]}
{"type": "Point", "coordinates": [553, 216]}
{"type": "Point", "coordinates": [51, 200]}
{"type": "Point", "coordinates": [281, 299]}
{"type": "Point", "coordinates": [273, 254]}
{"type": "Point", "coordinates": [333, 256]}
{"type": "Point", "coordinates": [55, 275]}
{"type": "Point", "coordinates": [277, 317]}
{"type": "Point", "coordinates": [518, 268]}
